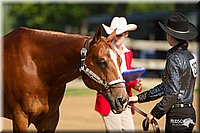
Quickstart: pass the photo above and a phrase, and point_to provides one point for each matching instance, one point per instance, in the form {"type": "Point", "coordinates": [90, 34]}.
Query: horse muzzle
{"type": "Point", "coordinates": [118, 98]}
{"type": "Point", "coordinates": [119, 105]}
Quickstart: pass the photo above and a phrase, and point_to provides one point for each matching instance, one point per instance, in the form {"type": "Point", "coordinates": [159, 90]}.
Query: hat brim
{"type": "Point", "coordinates": [129, 27]}
{"type": "Point", "coordinates": [192, 34]}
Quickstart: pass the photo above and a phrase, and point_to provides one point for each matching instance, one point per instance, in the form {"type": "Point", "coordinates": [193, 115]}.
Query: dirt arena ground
{"type": "Point", "coordinates": [77, 114]}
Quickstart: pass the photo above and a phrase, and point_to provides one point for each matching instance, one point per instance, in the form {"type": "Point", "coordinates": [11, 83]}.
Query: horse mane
{"type": "Point", "coordinates": [49, 33]}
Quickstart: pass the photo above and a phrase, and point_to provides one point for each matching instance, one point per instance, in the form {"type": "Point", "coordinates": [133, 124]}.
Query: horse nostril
{"type": "Point", "coordinates": [121, 101]}
{"type": "Point", "coordinates": [118, 103]}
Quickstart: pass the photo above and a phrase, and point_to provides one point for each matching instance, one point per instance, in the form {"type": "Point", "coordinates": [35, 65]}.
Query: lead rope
{"type": "Point", "coordinates": [145, 123]}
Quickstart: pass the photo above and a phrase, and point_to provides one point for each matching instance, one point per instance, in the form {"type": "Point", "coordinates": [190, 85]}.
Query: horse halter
{"type": "Point", "coordinates": [92, 75]}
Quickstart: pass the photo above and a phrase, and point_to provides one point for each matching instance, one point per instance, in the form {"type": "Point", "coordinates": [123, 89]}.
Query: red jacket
{"type": "Point", "coordinates": [102, 105]}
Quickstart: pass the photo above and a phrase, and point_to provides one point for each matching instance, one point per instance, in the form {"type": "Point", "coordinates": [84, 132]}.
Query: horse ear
{"type": "Point", "coordinates": [97, 35]}
{"type": "Point", "coordinates": [112, 35]}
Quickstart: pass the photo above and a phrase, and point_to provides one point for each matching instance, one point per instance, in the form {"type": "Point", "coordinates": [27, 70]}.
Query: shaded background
{"type": "Point", "coordinates": [84, 17]}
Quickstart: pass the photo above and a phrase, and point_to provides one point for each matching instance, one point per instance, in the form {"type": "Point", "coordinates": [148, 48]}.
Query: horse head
{"type": "Point", "coordinates": [101, 71]}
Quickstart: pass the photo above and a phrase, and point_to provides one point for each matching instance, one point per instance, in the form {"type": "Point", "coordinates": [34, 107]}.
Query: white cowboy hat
{"type": "Point", "coordinates": [121, 24]}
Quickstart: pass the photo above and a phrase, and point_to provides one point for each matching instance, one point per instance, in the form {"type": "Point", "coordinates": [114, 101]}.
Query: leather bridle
{"type": "Point", "coordinates": [145, 123]}
{"type": "Point", "coordinates": [93, 76]}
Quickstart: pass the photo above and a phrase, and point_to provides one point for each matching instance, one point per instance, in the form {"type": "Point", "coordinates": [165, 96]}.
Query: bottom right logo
{"type": "Point", "coordinates": [182, 122]}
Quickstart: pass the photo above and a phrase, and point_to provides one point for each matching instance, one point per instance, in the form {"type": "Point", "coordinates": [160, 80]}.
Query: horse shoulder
{"type": "Point", "coordinates": [21, 81]}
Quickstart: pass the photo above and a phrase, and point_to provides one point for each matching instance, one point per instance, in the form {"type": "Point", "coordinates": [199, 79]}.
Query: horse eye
{"type": "Point", "coordinates": [102, 62]}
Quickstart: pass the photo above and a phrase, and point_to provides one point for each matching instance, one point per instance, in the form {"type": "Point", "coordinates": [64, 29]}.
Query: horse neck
{"type": "Point", "coordinates": [61, 60]}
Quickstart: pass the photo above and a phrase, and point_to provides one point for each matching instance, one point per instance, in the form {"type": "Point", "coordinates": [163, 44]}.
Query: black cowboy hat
{"type": "Point", "coordinates": [179, 27]}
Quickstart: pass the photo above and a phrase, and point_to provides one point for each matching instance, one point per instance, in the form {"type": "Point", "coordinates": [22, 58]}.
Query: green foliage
{"type": "Point", "coordinates": [59, 16]}
{"type": "Point", "coordinates": [8, 20]}
{"type": "Point", "coordinates": [146, 7]}
{"type": "Point", "coordinates": [51, 16]}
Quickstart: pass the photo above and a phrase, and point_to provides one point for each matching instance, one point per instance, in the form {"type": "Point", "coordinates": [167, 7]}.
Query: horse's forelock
{"type": "Point", "coordinates": [106, 41]}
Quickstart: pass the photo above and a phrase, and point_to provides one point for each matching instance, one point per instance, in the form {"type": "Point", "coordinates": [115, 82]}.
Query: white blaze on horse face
{"type": "Point", "coordinates": [113, 56]}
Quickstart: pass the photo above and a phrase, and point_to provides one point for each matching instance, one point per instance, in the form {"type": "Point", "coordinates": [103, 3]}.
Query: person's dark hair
{"type": "Point", "coordinates": [179, 40]}
{"type": "Point", "coordinates": [184, 43]}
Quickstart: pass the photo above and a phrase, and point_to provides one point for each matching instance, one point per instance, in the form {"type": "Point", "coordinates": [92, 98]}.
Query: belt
{"type": "Point", "coordinates": [181, 105]}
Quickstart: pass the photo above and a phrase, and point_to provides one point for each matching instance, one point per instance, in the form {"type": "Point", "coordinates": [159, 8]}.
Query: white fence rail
{"type": "Point", "coordinates": [152, 46]}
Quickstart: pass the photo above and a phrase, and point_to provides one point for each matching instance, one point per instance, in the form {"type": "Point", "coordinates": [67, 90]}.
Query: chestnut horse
{"type": "Point", "coordinates": [38, 64]}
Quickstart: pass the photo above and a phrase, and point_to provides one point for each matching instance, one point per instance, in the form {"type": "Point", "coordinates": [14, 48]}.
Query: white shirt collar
{"type": "Point", "coordinates": [125, 49]}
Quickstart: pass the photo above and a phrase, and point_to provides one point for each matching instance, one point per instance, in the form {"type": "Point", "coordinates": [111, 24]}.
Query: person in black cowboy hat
{"type": "Point", "coordinates": [178, 79]}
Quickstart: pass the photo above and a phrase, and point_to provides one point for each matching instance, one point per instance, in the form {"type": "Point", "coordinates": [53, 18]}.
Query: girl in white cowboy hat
{"type": "Point", "coordinates": [123, 121]}
{"type": "Point", "coordinates": [178, 79]}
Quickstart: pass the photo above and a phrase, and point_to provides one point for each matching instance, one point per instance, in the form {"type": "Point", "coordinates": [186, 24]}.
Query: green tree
{"type": "Point", "coordinates": [52, 16]}
{"type": "Point", "coordinates": [149, 7]}
{"type": "Point", "coordinates": [62, 16]}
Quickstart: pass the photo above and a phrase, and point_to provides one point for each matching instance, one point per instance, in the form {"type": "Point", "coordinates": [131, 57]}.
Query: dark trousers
{"type": "Point", "coordinates": [180, 120]}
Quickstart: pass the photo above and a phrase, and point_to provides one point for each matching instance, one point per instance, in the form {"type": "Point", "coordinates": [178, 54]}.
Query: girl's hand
{"type": "Point", "coordinates": [138, 86]}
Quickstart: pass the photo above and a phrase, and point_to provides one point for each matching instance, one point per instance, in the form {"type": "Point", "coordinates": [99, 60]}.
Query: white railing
{"type": "Point", "coordinates": [152, 45]}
